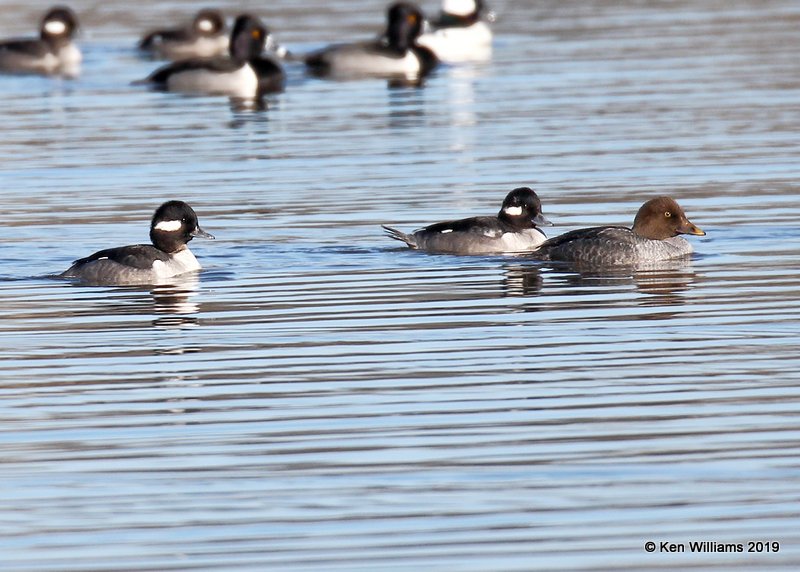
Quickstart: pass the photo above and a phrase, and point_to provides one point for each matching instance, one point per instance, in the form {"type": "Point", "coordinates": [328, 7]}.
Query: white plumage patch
{"type": "Point", "coordinates": [239, 83]}
{"type": "Point", "coordinates": [55, 27]}
{"type": "Point", "coordinates": [445, 231]}
{"type": "Point", "coordinates": [458, 7]}
{"type": "Point", "coordinates": [205, 25]}
{"type": "Point", "coordinates": [169, 225]}
{"type": "Point", "coordinates": [513, 211]}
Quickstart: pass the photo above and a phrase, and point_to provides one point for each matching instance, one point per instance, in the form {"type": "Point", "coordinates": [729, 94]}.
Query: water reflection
{"type": "Point", "coordinates": [666, 280]}
{"type": "Point", "coordinates": [177, 301]}
{"type": "Point", "coordinates": [406, 106]}
{"type": "Point", "coordinates": [522, 280]}
{"type": "Point", "coordinates": [174, 302]}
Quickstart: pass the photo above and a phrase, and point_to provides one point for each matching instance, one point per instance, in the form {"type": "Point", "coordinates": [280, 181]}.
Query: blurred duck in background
{"type": "Point", "coordinates": [53, 53]}
{"type": "Point", "coordinates": [395, 55]}
{"type": "Point", "coordinates": [244, 74]}
{"type": "Point", "coordinates": [460, 33]}
{"type": "Point", "coordinates": [206, 37]}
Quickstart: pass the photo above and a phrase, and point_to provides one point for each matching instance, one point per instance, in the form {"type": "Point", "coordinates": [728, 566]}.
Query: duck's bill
{"type": "Point", "coordinates": [689, 228]}
{"type": "Point", "coordinates": [541, 220]}
{"type": "Point", "coordinates": [200, 233]}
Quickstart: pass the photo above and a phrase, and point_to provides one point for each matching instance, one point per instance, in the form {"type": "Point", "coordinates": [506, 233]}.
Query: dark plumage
{"type": "Point", "coordinates": [53, 53]}
{"type": "Point", "coordinates": [205, 37]}
{"type": "Point", "coordinates": [173, 225]}
{"type": "Point", "coordinates": [243, 74]}
{"type": "Point", "coordinates": [395, 55]}
{"type": "Point", "coordinates": [513, 230]}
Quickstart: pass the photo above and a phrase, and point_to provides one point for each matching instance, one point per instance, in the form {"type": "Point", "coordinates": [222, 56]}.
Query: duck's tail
{"type": "Point", "coordinates": [401, 236]}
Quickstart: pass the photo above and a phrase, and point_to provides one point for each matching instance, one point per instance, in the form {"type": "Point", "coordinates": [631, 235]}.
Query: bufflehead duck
{"type": "Point", "coordinates": [206, 37]}
{"type": "Point", "coordinates": [512, 231]}
{"type": "Point", "coordinates": [53, 53]}
{"type": "Point", "coordinates": [654, 237]}
{"type": "Point", "coordinates": [395, 55]}
{"type": "Point", "coordinates": [245, 74]}
{"type": "Point", "coordinates": [459, 34]}
{"type": "Point", "coordinates": [173, 225]}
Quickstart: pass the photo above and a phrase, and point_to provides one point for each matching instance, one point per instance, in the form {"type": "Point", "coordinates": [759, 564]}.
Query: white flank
{"type": "Point", "coordinates": [353, 61]}
{"type": "Point", "coordinates": [169, 225]}
{"type": "Point", "coordinates": [473, 43]}
{"type": "Point", "coordinates": [458, 7]}
{"type": "Point", "coordinates": [513, 211]}
{"type": "Point", "coordinates": [55, 27]}
{"type": "Point", "coordinates": [240, 83]}
{"type": "Point", "coordinates": [205, 25]}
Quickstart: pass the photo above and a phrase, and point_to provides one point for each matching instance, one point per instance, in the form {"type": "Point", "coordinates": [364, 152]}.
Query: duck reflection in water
{"type": "Point", "coordinates": [522, 280]}
{"type": "Point", "coordinates": [175, 303]}
{"type": "Point", "coordinates": [666, 281]}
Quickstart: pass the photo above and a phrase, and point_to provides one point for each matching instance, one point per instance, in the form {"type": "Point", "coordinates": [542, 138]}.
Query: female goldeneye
{"type": "Point", "coordinates": [53, 53]}
{"type": "Point", "coordinates": [395, 55]}
{"type": "Point", "coordinates": [512, 231]}
{"type": "Point", "coordinates": [245, 74]}
{"type": "Point", "coordinates": [173, 225]}
{"type": "Point", "coordinates": [654, 237]}
{"type": "Point", "coordinates": [206, 37]}
{"type": "Point", "coordinates": [460, 34]}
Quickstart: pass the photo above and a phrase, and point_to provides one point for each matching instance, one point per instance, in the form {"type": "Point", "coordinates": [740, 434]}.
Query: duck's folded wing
{"type": "Point", "coordinates": [481, 225]}
{"type": "Point", "coordinates": [26, 47]}
{"type": "Point", "coordinates": [214, 65]}
{"type": "Point", "coordinates": [157, 37]}
{"type": "Point", "coordinates": [586, 243]}
{"type": "Point", "coordinates": [137, 256]}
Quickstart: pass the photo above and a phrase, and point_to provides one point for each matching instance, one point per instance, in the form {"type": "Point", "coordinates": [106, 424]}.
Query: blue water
{"type": "Point", "coordinates": [318, 398]}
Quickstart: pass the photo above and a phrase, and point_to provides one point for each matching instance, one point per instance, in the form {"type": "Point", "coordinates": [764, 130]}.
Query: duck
{"type": "Point", "coordinates": [53, 53]}
{"type": "Point", "coordinates": [396, 54]}
{"type": "Point", "coordinates": [654, 237]}
{"type": "Point", "coordinates": [173, 225]}
{"type": "Point", "coordinates": [206, 37]}
{"type": "Point", "coordinates": [512, 231]}
{"type": "Point", "coordinates": [460, 33]}
{"type": "Point", "coordinates": [245, 74]}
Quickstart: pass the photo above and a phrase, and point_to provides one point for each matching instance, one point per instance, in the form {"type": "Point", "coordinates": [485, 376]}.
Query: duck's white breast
{"type": "Point", "coordinates": [179, 263]}
{"type": "Point", "coordinates": [522, 241]}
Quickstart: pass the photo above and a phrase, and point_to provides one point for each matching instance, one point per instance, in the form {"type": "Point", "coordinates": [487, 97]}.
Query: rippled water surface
{"type": "Point", "coordinates": [318, 398]}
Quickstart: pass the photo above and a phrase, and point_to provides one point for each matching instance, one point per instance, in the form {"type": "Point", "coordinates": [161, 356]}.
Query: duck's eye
{"type": "Point", "coordinates": [667, 214]}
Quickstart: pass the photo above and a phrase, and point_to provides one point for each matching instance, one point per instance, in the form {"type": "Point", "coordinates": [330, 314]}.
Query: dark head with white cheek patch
{"type": "Point", "coordinates": [522, 209]}
{"type": "Point", "coordinates": [208, 23]}
{"type": "Point", "coordinates": [174, 224]}
{"type": "Point", "coordinates": [58, 25]}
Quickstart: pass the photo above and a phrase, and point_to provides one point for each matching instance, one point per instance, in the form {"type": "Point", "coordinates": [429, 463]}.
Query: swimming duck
{"type": "Point", "coordinates": [654, 237]}
{"type": "Point", "coordinates": [173, 225]}
{"type": "Point", "coordinates": [206, 37]}
{"type": "Point", "coordinates": [395, 55]}
{"type": "Point", "coordinates": [512, 231]}
{"type": "Point", "coordinates": [245, 74]}
{"type": "Point", "coordinates": [53, 53]}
